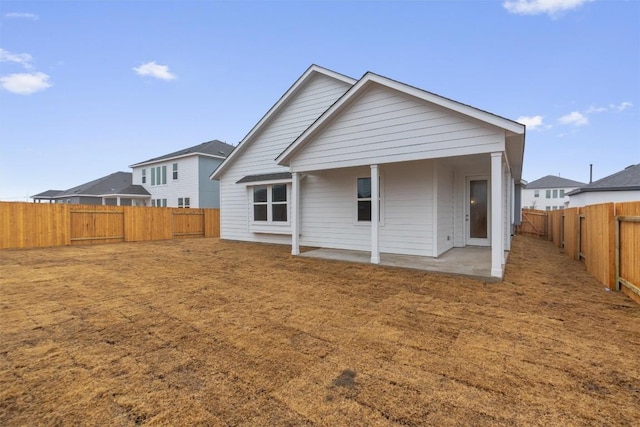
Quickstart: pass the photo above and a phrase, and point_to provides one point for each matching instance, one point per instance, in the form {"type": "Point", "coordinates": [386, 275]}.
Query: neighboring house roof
{"type": "Point", "coordinates": [47, 194]}
{"type": "Point", "coordinates": [213, 148]}
{"type": "Point", "coordinates": [627, 179]}
{"type": "Point", "coordinates": [265, 177]}
{"type": "Point", "coordinates": [135, 190]}
{"type": "Point", "coordinates": [370, 79]}
{"type": "Point", "coordinates": [551, 181]}
{"type": "Point", "coordinates": [275, 109]}
{"type": "Point", "coordinates": [115, 184]}
{"type": "Point", "coordinates": [110, 184]}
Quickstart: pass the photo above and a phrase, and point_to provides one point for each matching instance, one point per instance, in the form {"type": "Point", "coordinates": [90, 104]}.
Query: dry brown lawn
{"type": "Point", "coordinates": [208, 332]}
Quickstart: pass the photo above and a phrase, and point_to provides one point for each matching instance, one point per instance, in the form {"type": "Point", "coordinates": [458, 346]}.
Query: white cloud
{"type": "Point", "coordinates": [531, 122]}
{"type": "Point", "coordinates": [21, 15]}
{"type": "Point", "coordinates": [574, 119]}
{"type": "Point", "coordinates": [594, 109]}
{"type": "Point", "coordinates": [25, 83]}
{"type": "Point", "coordinates": [622, 106]}
{"type": "Point", "coordinates": [536, 7]}
{"type": "Point", "coordinates": [23, 59]}
{"type": "Point", "coordinates": [155, 70]}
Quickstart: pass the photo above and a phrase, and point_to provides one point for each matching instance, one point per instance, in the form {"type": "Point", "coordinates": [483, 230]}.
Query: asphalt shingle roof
{"type": "Point", "coordinates": [110, 184]}
{"type": "Point", "coordinates": [47, 194]}
{"type": "Point", "coordinates": [626, 179]}
{"type": "Point", "coordinates": [551, 181]}
{"type": "Point", "coordinates": [214, 148]}
{"type": "Point", "coordinates": [265, 177]}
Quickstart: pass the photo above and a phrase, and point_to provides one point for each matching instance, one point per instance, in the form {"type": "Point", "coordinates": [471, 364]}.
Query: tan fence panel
{"type": "Point", "coordinates": [534, 223]}
{"type": "Point", "coordinates": [143, 223]}
{"type": "Point", "coordinates": [27, 225]}
{"type": "Point", "coordinates": [629, 268]}
{"type": "Point", "coordinates": [598, 243]}
{"type": "Point", "coordinates": [91, 224]}
{"type": "Point", "coordinates": [570, 231]}
{"type": "Point", "coordinates": [188, 223]}
{"type": "Point", "coordinates": [212, 223]}
{"type": "Point", "coordinates": [555, 227]}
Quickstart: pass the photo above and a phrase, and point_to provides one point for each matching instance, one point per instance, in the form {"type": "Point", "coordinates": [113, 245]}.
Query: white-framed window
{"type": "Point", "coordinates": [562, 194]}
{"type": "Point", "coordinates": [555, 194]}
{"type": "Point", "coordinates": [159, 203]}
{"type": "Point", "coordinates": [555, 208]}
{"type": "Point", "coordinates": [536, 193]}
{"type": "Point", "coordinates": [548, 194]}
{"type": "Point", "coordinates": [159, 175]}
{"type": "Point", "coordinates": [174, 171]}
{"type": "Point", "coordinates": [184, 202]}
{"type": "Point", "coordinates": [270, 203]}
{"type": "Point", "coordinates": [363, 200]}
{"type": "Point", "coordinates": [548, 208]}
{"type": "Point", "coordinates": [144, 176]}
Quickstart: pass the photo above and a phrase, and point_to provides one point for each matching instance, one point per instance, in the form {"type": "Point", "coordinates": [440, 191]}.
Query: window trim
{"type": "Point", "coordinates": [174, 171]}
{"type": "Point", "coordinates": [270, 227]}
{"type": "Point", "coordinates": [381, 209]}
{"type": "Point", "coordinates": [144, 176]}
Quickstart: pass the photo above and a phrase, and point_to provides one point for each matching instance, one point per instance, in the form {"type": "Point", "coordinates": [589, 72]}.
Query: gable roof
{"type": "Point", "coordinates": [627, 179]}
{"type": "Point", "coordinates": [275, 109]}
{"type": "Point", "coordinates": [552, 181]}
{"type": "Point", "coordinates": [513, 128]}
{"type": "Point", "coordinates": [213, 148]}
{"type": "Point", "coordinates": [109, 184]}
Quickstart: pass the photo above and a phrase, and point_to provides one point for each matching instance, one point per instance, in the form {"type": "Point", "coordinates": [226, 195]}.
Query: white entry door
{"type": "Point", "coordinates": [477, 211]}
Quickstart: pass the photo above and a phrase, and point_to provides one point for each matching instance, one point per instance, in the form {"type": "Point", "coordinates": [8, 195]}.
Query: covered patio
{"type": "Point", "coordinates": [472, 261]}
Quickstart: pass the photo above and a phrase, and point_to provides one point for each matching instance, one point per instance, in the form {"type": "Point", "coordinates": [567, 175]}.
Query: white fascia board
{"type": "Point", "coordinates": [168, 159]}
{"type": "Point", "coordinates": [313, 69]}
{"type": "Point", "coordinates": [270, 182]}
{"type": "Point", "coordinates": [368, 79]}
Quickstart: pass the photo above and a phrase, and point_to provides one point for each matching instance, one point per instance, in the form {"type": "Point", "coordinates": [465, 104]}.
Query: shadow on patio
{"type": "Point", "coordinates": [471, 261]}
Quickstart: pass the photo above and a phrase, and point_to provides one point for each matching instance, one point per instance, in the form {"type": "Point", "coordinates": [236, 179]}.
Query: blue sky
{"type": "Point", "coordinates": [89, 87]}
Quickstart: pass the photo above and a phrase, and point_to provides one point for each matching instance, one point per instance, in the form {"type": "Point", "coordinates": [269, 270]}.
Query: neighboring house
{"type": "Point", "coordinates": [548, 193]}
{"type": "Point", "coordinates": [623, 186]}
{"type": "Point", "coordinates": [113, 189]}
{"type": "Point", "coordinates": [181, 179]}
{"type": "Point", "coordinates": [311, 170]}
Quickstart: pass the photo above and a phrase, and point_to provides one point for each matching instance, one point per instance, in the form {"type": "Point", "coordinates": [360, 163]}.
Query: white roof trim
{"type": "Point", "coordinates": [168, 159]}
{"type": "Point", "coordinates": [313, 69]}
{"type": "Point", "coordinates": [371, 78]}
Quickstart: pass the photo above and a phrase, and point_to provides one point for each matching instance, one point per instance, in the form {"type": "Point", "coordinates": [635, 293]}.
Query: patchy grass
{"type": "Point", "coordinates": [204, 332]}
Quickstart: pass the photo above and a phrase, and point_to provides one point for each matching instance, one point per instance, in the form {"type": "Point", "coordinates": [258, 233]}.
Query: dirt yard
{"type": "Point", "coordinates": [203, 332]}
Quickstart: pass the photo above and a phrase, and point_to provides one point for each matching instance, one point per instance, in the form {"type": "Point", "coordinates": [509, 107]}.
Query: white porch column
{"type": "Point", "coordinates": [375, 214]}
{"type": "Point", "coordinates": [295, 205]}
{"type": "Point", "coordinates": [118, 201]}
{"type": "Point", "coordinates": [104, 202]}
{"type": "Point", "coordinates": [497, 227]}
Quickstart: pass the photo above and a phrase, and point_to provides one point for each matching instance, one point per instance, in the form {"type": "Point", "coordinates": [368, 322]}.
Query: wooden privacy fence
{"type": "Point", "coordinates": [25, 225]}
{"type": "Point", "coordinates": [606, 237]}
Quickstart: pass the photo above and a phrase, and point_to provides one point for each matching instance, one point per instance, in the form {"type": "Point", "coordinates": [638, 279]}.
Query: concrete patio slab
{"type": "Point", "coordinates": [471, 261]}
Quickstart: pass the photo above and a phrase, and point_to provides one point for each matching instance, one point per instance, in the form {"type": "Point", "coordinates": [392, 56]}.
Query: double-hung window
{"type": "Point", "coordinates": [536, 193]}
{"type": "Point", "coordinates": [548, 194]}
{"type": "Point", "coordinates": [184, 202]}
{"type": "Point", "coordinates": [363, 200]}
{"type": "Point", "coordinates": [562, 194]}
{"type": "Point", "coordinates": [174, 171]}
{"type": "Point", "coordinates": [555, 194]}
{"type": "Point", "coordinates": [270, 203]}
{"type": "Point", "coordinates": [144, 176]}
